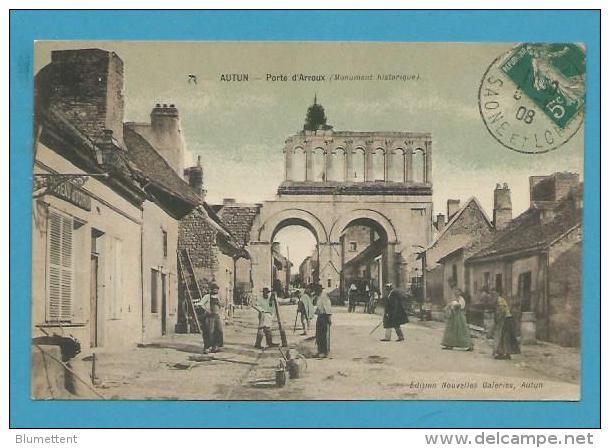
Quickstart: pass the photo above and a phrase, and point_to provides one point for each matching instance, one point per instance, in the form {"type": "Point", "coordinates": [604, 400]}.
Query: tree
{"type": "Point", "coordinates": [315, 118]}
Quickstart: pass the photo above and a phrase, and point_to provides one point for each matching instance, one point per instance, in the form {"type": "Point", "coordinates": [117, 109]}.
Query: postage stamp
{"type": "Point", "coordinates": [532, 98]}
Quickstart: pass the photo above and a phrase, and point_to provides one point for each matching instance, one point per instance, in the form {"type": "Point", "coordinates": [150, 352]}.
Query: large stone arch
{"type": "Point", "coordinates": [290, 216]}
{"type": "Point", "coordinates": [343, 221]}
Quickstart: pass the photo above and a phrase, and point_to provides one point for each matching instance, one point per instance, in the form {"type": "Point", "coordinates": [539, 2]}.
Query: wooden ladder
{"type": "Point", "coordinates": [187, 275]}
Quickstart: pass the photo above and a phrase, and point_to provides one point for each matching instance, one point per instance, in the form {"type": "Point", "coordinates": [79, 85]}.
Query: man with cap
{"type": "Point", "coordinates": [213, 325]}
{"type": "Point", "coordinates": [394, 315]}
{"type": "Point", "coordinates": [265, 305]}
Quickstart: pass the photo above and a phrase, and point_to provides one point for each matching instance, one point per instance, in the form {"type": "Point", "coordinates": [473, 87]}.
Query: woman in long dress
{"type": "Point", "coordinates": [506, 341]}
{"type": "Point", "coordinates": [457, 333]}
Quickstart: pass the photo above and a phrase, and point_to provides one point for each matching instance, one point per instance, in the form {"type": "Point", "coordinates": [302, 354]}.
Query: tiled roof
{"type": "Point", "coordinates": [238, 219]}
{"type": "Point", "coordinates": [155, 167]}
{"type": "Point", "coordinates": [531, 231]}
{"type": "Point", "coordinates": [474, 202]}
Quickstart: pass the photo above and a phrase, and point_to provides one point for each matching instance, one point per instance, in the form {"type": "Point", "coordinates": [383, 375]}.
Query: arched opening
{"type": "Point", "coordinates": [317, 165]}
{"type": "Point", "coordinates": [378, 162]}
{"type": "Point", "coordinates": [294, 257]}
{"type": "Point", "coordinates": [364, 258]}
{"type": "Point", "coordinates": [396, 165]}
{"type": "Point", "coordinates": [418, 164]}
{"type": "Point", "coordinates": [298, 164]}
{"type": "Point", "coordinates": [337, 172]}
{"type": "Point", "coordinates": [358, 164]}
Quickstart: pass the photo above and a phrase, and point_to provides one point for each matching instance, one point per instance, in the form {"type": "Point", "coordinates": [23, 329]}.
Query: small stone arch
{"type": "Point", "coordinates": [287, 217]}
{"type": "Point", "coordinates": [344, 220]}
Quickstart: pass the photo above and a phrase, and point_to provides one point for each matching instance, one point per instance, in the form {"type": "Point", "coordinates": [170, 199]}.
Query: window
{"type": "Point", "coordinates": [486, 279]}
{"type": "Point", "coordinates": [329, 284]}
{"type": "Point", "coordinates": [164, 235]}
{"type": "Point", "coordinates": [353, 246]}
{"type": "Point", "coordinates": [318, 173]}
{"type": "Point", "coordinates": [154, 291]}
{"type": "Point", "coordinates": [358, 163]}
{"type": "Point", "coordinates": [378, 162]}
{"type": "Point", "coordinates": [499, 283]}
{"type": "Point", "coordinates": [396, 168]}
{"type": "Point", "coordinates": [418, 165]}
{"type": "Point", "coordinates": [60, 267]}
{"type": "Point", "coordinates": [454, 274]}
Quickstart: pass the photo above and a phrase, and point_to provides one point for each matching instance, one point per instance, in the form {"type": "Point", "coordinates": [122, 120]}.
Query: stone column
{"type": "Point", "coordinates": [389, 257]}
{"type": "Point", "coordinates": [349, 161]}
{"type": "Point", "coordinates": [288, 156]}
{"type": "Point", "coordinates": [328, 160]}
{"type": "Point", "coordinates": [388, 160]}
{"type": "Point", "coordinates": [308, 161]}
{"type": "Point", "coordinates": [368, 162]}
{"type": "Point", "coordinates": [408, 163]}
{"type": "Point", "coordinates": [260, 254]}
{"type": "Point", "coordinates": [428, 162]}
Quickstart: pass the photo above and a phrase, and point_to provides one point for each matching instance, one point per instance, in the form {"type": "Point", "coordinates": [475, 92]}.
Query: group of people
{"type": "Point", "coordinates": [457, 332]}
{"type": "Point", "coordinates": [314, 301]}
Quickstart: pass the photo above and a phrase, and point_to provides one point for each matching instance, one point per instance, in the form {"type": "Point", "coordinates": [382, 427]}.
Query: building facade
{"type": "Point", "coordinates": [105, 208]}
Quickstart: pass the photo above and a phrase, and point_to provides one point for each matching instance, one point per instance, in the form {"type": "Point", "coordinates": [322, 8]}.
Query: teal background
{"type": "Point", "coordinates": [412, 26]}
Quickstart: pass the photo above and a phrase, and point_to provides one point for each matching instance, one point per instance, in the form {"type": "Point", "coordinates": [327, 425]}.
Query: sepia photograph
{"type": "Point", "coordinates": [307, 221]}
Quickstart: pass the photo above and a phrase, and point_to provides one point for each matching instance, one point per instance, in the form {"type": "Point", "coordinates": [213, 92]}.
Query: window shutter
{"type": "Point", "coordinates": [60, 268]}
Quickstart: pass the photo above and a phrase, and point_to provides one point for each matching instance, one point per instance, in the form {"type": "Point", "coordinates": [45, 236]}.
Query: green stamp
{"type": "Point", "coordinates": [532, 98]}
{"type": "Point", "coordinates": [552, 76]}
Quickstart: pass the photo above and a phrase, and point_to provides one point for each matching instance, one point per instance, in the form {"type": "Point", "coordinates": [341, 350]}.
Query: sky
{"type": "Point", "coordinates": [239, 128]}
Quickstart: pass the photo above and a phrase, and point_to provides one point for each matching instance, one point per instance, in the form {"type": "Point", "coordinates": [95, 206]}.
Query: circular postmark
{"type": "Point", "coordinates": [532, 98]}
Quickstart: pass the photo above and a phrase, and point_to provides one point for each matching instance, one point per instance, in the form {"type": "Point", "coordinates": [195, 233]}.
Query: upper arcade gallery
{"type": "Point", "coordinates": [347, 156]}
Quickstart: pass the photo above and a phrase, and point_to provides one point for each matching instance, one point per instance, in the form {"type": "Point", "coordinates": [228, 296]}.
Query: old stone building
{"type": "Point", "coordinates": [338, 179]}
{"type": "Point", "coordinates": [535, 261]}
{"type": "Point", "coordinates": [467, 227]}
{"type": "Point", "coordinates": [214, 253]}
{"type": "Point", "coordinates": [170, 200]}
{"type": "Point", "coordinates": [238, 219]}
{"type": "Point", "coordinates": [105, 210]}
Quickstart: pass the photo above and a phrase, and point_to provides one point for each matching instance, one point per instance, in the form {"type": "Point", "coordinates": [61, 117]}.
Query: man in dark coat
{"type": "Point", "coordinates": [395, 314]}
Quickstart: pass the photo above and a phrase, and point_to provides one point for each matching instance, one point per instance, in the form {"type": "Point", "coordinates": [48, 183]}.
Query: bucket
{"type": "Point", "coordinates": [280, 377]}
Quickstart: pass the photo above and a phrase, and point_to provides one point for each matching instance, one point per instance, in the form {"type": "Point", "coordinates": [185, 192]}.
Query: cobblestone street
{"type": "Point", "coordinates": [360, 367]}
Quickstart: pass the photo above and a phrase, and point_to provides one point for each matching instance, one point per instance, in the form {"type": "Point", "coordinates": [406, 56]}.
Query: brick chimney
{"type": "Point", "coordinates": [194, 176]}
{"type": "Point", "coordinates": [86, 86]}
{"type": "Point", "coordinates": [167, 135]}
{"type": "Point", "coordinates": [453, 205]}
{"type": "Point", "coordinates": [545, 190]}
{"type": "Point", "coordinates": [503, 208]}
{"type": "Point", "coordinates": [440, 222]}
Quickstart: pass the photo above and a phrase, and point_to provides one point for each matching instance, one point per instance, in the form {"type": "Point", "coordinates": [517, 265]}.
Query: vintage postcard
{"type": "Point", "coordinates": [307, 221]}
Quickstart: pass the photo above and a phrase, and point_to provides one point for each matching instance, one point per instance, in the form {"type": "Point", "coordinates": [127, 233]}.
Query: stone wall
{"type": "Point", "coordinates": [564, 301]}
